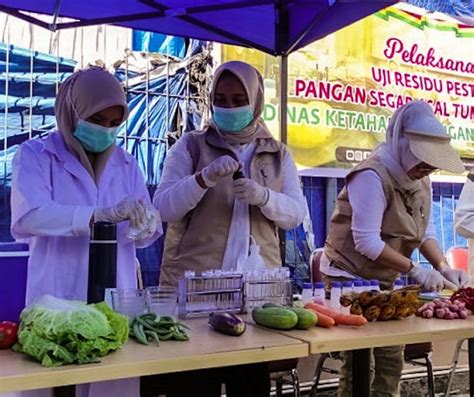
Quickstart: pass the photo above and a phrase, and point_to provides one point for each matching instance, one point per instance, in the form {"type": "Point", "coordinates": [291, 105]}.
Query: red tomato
{"type": "Point", "coordinates": [8, 334]}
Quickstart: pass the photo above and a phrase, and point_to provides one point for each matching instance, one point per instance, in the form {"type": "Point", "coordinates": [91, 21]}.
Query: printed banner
{"type": "Point", "coordinates": [344, 88]}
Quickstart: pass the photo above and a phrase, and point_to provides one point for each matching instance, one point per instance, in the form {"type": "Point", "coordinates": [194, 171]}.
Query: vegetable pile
{"type": "Point", "coordinates": [8, 334]}
{"type": "Point", "coordinates": [465, 295]}
{"type": "Point", "coordinates": [444, 309]}
{"type": "Point", "coordinates": [384, 305]}
{"type": "Point", "coordinates": [57, 331]}
{"type": "Point", "coordinates": [151, 327]}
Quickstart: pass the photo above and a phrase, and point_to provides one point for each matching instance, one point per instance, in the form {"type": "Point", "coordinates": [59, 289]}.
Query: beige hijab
{"type": "Point", "coordinates": [252, 81]}
{"type": "Point", "coordinates": [80, 96]}
{"type": "Point", "coordinates": [395, 152]}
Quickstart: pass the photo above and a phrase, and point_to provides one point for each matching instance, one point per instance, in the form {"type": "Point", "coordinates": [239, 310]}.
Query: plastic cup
{"type": "Point", "coordinates": [161, 300]}
{"type": "Point", "coordinates": [129, 302]}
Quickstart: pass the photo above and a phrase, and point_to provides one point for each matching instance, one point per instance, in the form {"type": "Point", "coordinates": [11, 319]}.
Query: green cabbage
{"type": "Point", "coordinates": [57, 331]}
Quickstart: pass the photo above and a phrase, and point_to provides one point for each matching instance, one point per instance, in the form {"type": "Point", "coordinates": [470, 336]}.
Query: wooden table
{"type": "Point", "coordinates": [378, 334]}
{"type": "Point", "coordinates": [206, 349]}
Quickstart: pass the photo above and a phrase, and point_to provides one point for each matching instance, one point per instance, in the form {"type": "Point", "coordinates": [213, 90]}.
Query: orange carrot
{"type": "Point", "coordinates": [323, 320]}
{"type": "Point", "coordinates": [339, 318]}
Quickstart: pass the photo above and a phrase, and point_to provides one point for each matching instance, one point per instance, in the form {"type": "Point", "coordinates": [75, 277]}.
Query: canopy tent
{"type": "Point", "coordinates": [276, 27]}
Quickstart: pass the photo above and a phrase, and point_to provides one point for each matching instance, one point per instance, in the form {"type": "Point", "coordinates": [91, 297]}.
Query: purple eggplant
{"type": "Point", "coordinates": [227, 323]}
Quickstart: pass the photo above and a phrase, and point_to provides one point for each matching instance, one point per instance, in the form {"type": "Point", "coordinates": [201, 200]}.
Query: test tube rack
{"type": "Point", "coordinates": [259, 292]}
{"type": "Point", "coordinates": [201, 295]}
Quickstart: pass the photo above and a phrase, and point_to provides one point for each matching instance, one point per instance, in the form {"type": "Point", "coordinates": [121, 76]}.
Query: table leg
{"type": "Point", "coordinates": [361, 373]}
{"type": "Point", "coordinates": [65, 391]}
{"type": "Point", "coordinates": [471, 365]}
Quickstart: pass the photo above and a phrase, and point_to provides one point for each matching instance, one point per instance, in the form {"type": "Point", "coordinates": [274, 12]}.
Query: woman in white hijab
{"type": "Point", "coordinates": [221, 185]}
{"type": "Point", "coordinates": [383, 214]}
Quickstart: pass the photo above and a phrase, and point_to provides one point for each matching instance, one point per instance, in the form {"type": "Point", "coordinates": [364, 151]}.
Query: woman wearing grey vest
{"type": "Point", "coordinates": [223, 184]}
{"type": "Point", "coordinates": [210, 215]}
{"type": "Point", "coordinates": [383, 214]}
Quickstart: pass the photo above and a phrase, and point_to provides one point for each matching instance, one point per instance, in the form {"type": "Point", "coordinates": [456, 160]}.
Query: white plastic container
{"type": "Point", "coordinates": [336, 292]}
{"type": "Point", "coordinates": [375, 285]}
{"type": "Point", "coordinates": [358, 286]}
{"type": "Point", "coordinates": [366, 285]}
{"type": "Point", "coordinates": [319, 293]}
{"type": "Point", "coordinates": [347, 287]}
{"type": "Point", "coordinates": [398, 284]}
{"type": "Point", "coordinates": [307, 294]}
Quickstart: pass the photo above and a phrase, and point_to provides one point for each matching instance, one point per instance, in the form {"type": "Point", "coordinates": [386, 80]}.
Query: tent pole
{"type": "Point", "coordinates": [283, 98]}
{"type": "Point", "coordinates": [283, 115]}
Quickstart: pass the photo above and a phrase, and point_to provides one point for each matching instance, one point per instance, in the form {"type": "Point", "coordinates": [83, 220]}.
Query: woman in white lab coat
{"type": "Point", "coordinates": [75, 176]}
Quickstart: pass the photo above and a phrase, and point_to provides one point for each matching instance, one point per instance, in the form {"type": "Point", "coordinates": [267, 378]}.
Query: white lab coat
{"type": "Point", "coordinates": [52, 201]}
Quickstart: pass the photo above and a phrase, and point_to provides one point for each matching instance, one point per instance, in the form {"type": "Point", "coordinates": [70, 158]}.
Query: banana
{"type": "Point", "coordinates": [356, 308]}
{"type": "Point", "coordinates": [372, 313]}
{"type": "Point", "coordinates": [387, 311]}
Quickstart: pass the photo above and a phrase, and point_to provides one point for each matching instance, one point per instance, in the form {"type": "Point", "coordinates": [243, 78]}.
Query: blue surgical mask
{"type": "Point", "coordinates": [232, 119]}
{"type": "Point", "coordinates": [94, 137]}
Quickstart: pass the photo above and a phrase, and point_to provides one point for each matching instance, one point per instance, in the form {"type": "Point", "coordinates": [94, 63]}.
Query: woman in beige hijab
{"type": "Point", "coordinates": [211, 215]}
{"type": "Point", "coordinates": [223, 184]}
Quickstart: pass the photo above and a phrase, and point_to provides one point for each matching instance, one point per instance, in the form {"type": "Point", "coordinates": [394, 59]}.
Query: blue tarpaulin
{"type": "Point", "coordinates": [459, 8]}
{"type": "Point", "coordinates": [156, 42]}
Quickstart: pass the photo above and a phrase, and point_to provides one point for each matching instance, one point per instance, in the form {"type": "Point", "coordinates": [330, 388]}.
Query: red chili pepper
{"type": "Point", "coordinates": [8, 334]}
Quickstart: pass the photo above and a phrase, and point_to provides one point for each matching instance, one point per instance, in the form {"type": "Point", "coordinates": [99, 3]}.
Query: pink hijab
{"type": "Point", "coordinates": [252, 81]}
{"type": "Point", "coordinates": [81, 95]}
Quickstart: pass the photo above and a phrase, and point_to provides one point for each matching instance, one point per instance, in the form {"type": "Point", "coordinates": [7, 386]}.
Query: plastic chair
{"type": "Point", "coordinates": [457, 350]}
{"type": "Point", "coordinates": [458, 258]}
{"type": "Point", "coordinates": [314, 264]}
{"type": "Point", "coordinates": [284, 372]}
{"type": "Point", "coordinates": [417, 353]}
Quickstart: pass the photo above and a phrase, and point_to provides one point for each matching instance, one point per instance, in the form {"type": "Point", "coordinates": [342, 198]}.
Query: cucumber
{"type": "Point", "coordinates": [270, 304]}
{"type": "Point", "coordinates": [306, 318]}
{"type": "Point", "coordinates": [275, 317]}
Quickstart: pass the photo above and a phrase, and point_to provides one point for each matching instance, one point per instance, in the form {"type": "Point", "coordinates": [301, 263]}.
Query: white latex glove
{"type": "Point", "coordinates": [218, 169]}
{"type": "Point", "coordinates": [431, 280]}
{"type": "Point", "coordinates": [132, 209]}
{"type": "Point", "coordinates": [457, 277]}
{"type": "Point", "coordinates": [250, 192]}
{"type": "Point", "coordinates": [147, 229]}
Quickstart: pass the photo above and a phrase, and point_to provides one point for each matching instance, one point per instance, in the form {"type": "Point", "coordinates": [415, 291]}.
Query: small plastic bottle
{"type": "Point", "coordinates": [346, 287]}
{"type": "Point", "coordinates": [336, 293]}
{"type": "Point", "coordinates": [307, 294]}
{"type": "Point", "coordinates": [358, 286]}
{"type": "Point", "coordinates": [399, 283]}
{"type": "Point", "coordinates": [366, 285]}
{"type": "Point", "coordinates": [319, 293]}
{"type": "Point", "coordinates": [375, 285]}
